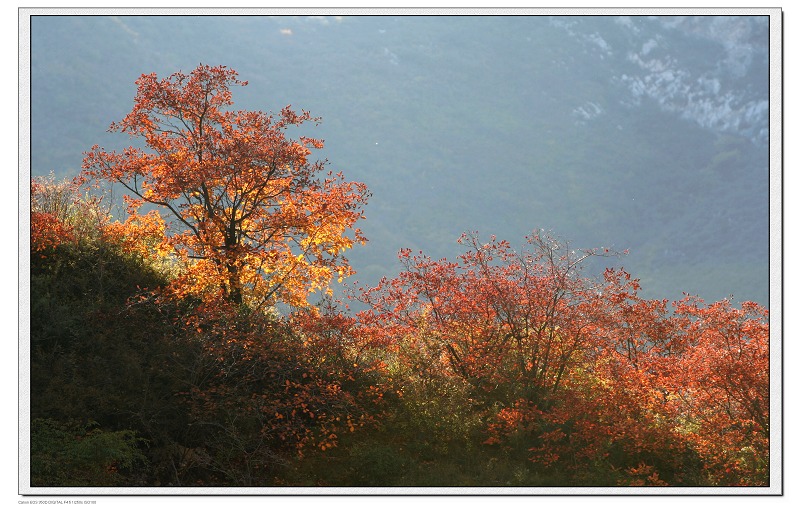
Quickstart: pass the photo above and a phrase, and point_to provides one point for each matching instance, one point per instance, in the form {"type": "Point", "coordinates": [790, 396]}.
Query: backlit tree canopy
{"type": "Point", "coordinates": [249, 216]}
{"type": "Point", "coordinates": [531, 366]}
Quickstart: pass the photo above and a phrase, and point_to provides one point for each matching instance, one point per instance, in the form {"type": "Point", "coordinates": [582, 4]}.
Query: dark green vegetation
{"type": "Point", "coordinates": [126, 392]}
{"type": "Point", "coordinates": [641, 134]}
{"type": "Point", "coordinates": [455, 124]}
{"type": "Point", "coordinates": [134, 387]}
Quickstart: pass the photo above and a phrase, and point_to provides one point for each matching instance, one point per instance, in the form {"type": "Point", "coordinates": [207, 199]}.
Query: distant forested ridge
{"type": "Point", "coordinates": [642, 133]}
{"type": "Point", "coordinates": [210, 328]}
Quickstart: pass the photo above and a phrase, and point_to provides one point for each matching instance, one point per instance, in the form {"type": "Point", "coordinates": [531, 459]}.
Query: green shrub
{"type": "Point", "coordinates": [74, 455]}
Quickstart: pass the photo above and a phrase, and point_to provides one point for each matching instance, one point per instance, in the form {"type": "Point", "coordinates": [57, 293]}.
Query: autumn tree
{"type": "Point", "coordinates": [60, 214]}
{"type": "Point", "coordinates": [511, 321]}
{"type": "Point", "coordinates": [246, 214]}
{"type": "Point", "coordinates": [669, 394]}
{"type": "Point", "coordinates": [610, 425]}
{"type": "Point", "coordinates": [582, 375]}
{"type": "Point", "coordinates": [720, 386]}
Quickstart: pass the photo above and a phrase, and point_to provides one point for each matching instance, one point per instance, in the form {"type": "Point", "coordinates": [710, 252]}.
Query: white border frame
{"type": "Point", "coordinates": [775, 258]}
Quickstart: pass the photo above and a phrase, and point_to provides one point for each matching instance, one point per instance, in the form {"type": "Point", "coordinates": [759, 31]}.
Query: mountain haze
{"type": "Point", "coordinates": [641, 133]}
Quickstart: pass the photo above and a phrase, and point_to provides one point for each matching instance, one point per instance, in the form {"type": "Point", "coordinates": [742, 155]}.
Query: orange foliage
{"type": "Point", "coordinates": [47, 231]}
{"type": "Point", "coordinates": [721, 389]}
{"type": "Point", "coordinates": [496, 318]}
{"type": "Point", "coordinates": [247, 214]}
{"type": "Point", "coordinates": [49, 207]}
{"type": "Point", "coordinates": [583, 372]}
{"type": "Point", "coordinates": [587, 372]}
{"type": "Point", "coordinates": [139, 234]}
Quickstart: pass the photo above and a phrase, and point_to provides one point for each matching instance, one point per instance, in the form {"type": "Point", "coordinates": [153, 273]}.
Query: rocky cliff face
{"type": "Point", "coordinates": [708, 69]}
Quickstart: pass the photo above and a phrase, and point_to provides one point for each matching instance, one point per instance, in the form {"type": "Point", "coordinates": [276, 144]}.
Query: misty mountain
{"type": "Point", "coordinates": [640, 133]}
